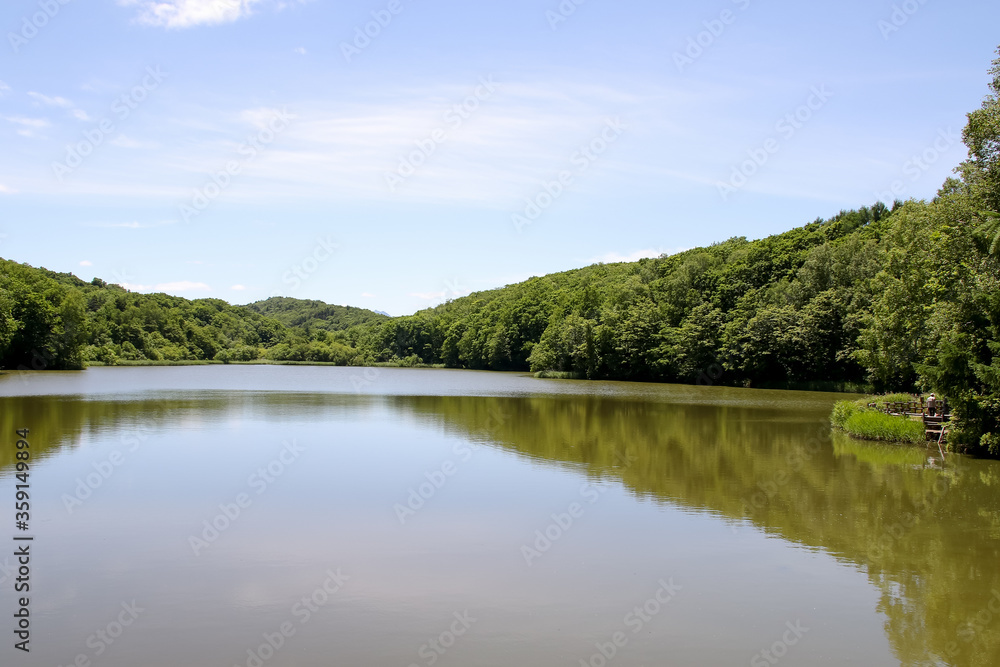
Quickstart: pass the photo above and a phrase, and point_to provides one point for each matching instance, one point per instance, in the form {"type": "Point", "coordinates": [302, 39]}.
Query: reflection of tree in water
{"type": "Point", "coordinates": [55, 423]}
{"type": "Point", "coordinates": [926, 535]}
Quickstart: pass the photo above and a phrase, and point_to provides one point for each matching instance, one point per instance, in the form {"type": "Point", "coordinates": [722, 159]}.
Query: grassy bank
{"type": "Point", "coordinates": [861, 421]}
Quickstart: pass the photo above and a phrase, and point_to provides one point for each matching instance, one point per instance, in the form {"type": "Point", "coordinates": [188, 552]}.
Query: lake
{"type": "Point", "coordinates": [318, 516]}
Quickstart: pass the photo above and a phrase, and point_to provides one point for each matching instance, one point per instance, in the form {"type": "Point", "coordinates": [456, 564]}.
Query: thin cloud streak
{"type": "Point", "coordinates": [189, 13]}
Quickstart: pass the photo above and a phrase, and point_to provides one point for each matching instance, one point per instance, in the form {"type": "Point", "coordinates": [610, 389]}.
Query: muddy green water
{"type": "Point", "coordinates": [299, 516]}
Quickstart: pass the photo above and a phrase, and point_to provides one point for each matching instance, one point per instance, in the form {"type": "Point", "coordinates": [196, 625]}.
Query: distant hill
{"type": "Point", "coordinates": [52, 320]}
{"type": "Point", "coordinates": [310, 314]}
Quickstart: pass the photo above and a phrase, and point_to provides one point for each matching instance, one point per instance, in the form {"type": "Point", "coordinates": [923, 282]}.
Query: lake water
{"type": "Point", "coordinates": [319, 516]}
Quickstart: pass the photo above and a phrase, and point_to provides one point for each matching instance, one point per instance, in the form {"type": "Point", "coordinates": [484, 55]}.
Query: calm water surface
{"type": "Point", "coordinates": [303, 516]}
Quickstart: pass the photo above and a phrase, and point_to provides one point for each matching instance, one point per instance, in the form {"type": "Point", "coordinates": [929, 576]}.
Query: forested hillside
{"type": "Point", "coordinates": [788, 307]}
{"type": "Point", "coordinates": [54, 320]}
{"type": "Point", "coordinates": [310, 314]}
{"type": "Point", "coordinates": [895, 298]}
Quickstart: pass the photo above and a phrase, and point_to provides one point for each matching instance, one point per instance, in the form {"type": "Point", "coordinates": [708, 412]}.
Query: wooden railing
{"type": "Point", "coordinates": [913, 408]}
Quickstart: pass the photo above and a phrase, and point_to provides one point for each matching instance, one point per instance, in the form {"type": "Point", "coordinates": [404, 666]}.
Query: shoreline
{"type": "Point", "coordinates": [816, 386]}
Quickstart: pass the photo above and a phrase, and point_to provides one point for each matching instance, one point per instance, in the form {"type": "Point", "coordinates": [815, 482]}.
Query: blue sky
{"type": "Point", "coordinates": [240, 149]}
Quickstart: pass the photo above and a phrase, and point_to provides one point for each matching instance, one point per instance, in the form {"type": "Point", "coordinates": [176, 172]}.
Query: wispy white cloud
{"type": "Point", "coordinates": [59, 102]}
{"type": "Point", "coordinates": [368, 295]}
{"type": "Point", "coordinates": [515, 139]}
{"type": "Point", "coordinates": [28, 122]}
{"type": "Point", "coordinates": [28, 126]}
{"type": "Point", "coordinates": [129, 225]}
{"type": "Point", "coordinates": [496, 151]}
{"type": "Point", "coordinates": [261, 117]}
{"type": "Point", "coordinates": [125, 225]}
{"type": "Point", "coordinates": [50, 101]}
{"type": "Point", "coordinates": [86, 262]}
{"type": "Point", "coordinates": [4, 190]}
{"type": "Point", "coordinates": [301, 51]}
{"type": "Point", "coordinates": [238, 288]}
{"type": "Point", "coordinates": [4, 89]}
{"type": "Point", "coordinates": [123, 141]}
{"type": "Point", "coordinates": [189, 13]}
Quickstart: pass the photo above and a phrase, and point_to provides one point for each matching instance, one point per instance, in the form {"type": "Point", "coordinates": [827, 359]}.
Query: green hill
{"type": "Point", "coordinates": [310, 314]}
{"type": "Point", "coordinates": [55, 320]}
{"type": "Point", "coordinates": [788, 308]}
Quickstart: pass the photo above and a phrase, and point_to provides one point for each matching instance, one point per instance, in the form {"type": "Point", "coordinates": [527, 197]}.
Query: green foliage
{"type": "Point", "coordinates": [783, 309]}
{"type": "Point", "coordinates": [57, 321]}
{"type": "Point", "coordinates": [867, 423]}
{"type": "Point", "coordinates": [238, 353]}
{"type": "Point", "coordinates": [42, 319]}
{"type": "Point", "coordinates": [844, 410]}
{"type": "Point", "coordinates": [873, 425]}
{"type": "Point", "coordinates": [558, 375]}
{"type": "Point", "coordinates": [310, 315]}
{"type": "Point", "coordinates": [897, 397]}
{"type": "Point", "coordinates": [981, 172]}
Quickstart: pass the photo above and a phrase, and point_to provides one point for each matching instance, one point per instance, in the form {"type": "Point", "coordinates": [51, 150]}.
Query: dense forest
{"type": "Point", "coordinates": [54, 320]}
{"type": "Point", "coordinates": [897, 299]}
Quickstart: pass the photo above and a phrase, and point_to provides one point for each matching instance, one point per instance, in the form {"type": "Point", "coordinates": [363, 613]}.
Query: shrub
{"type": "Point", "coordinates": [560, 375]}
{"type": "Point", "coordinates": [410, 361]}
{"type": "Point", "coordinates": [244, 353]}
{"type": "Point", "coordinates": [843, 410]}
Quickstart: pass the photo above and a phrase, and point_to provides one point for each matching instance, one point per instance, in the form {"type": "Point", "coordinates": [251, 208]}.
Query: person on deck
{"type": "Point", "coordinates": [931, 405]}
